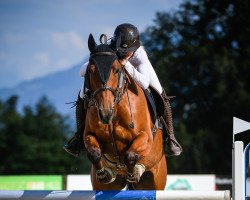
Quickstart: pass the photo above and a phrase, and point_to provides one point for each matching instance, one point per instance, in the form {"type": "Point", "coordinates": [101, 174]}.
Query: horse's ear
{"type": "Point", "coordinates": [91, 43]}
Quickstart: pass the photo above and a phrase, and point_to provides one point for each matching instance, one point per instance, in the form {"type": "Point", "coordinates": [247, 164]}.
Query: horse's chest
{"type": "Point", "coordinates": [118, 135]}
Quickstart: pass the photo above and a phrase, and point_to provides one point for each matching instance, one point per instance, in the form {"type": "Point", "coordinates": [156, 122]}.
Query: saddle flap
{"type": "Point", "coordinates": [155, 102]}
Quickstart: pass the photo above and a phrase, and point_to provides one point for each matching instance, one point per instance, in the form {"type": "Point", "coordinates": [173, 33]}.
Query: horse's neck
{"type": "Point", "coordinates": [136, 93]}
{"type": "Point", "coordinates": [136, 108]}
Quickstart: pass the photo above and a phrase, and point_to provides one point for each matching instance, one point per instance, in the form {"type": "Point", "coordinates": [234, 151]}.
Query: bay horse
{"type": "Point", "coordinates": [118, 130]}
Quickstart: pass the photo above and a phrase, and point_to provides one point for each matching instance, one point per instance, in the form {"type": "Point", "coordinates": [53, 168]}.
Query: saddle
{"type": "Point", "coordinates": [156, 112]}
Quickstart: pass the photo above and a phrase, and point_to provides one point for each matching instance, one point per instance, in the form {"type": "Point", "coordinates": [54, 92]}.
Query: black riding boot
{"type": "Point", "coordinates": [172, 147]}
{"type": "Point", "coordinates": [75, 144]}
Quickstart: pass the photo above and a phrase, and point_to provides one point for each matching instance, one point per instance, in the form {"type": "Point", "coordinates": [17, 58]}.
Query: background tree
{"type": "Point", "coordinates": [201, 54]}
{"type": "Point", "coordinates": [31, 143]}
{"type": "Point", "coordinates": [10, 126]}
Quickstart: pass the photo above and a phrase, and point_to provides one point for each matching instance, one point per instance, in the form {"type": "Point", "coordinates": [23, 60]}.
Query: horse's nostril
{"type": "Point", "coordinates": [105, 116]}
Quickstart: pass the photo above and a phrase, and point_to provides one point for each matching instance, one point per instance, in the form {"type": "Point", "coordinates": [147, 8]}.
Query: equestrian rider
{"type": "Point", "coordinates": [138, 66]}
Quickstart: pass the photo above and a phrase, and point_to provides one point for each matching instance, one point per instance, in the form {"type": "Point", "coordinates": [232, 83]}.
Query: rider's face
{"type": "Point", "coordinates": [129, 54]}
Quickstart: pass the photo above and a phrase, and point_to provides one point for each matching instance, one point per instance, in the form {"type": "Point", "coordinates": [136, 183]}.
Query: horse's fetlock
{"type": "Point", "coordinates": [139, 169]}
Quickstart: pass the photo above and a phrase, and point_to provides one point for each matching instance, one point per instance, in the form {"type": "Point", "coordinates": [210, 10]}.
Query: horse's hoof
{"type": "Point", "coordinates": [105, 175]}
{"type": "Point", "coordinates": [134, 177]}
{"type": "Point", "coordinates": [131, 178]}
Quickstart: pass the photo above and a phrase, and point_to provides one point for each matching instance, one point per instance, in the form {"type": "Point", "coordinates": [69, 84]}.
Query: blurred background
{"type": "Point", "coordinates": [199, 49]}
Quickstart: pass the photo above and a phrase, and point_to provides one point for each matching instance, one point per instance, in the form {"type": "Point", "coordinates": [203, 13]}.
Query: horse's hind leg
{"type": "Point", "coordinates": [155, 178]}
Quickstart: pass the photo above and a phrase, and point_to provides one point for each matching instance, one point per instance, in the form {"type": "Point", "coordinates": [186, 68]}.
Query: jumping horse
{"type": "Point", "coordinates": [125, 148]}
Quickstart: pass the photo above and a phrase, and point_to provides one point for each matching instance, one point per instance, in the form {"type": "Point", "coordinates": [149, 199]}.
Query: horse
{"type": "Point", "coordinates": [118, 129]}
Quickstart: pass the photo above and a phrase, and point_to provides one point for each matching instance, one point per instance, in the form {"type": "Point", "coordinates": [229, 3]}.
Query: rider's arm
{"type": "Point", "coordinates": [145, 69]}
{"type": "Point", "coordinates": [140, 68]}
{"type": "Point", "coordinates": [141, 77]}
{"type": "Point", "coordinates": [83, 69]}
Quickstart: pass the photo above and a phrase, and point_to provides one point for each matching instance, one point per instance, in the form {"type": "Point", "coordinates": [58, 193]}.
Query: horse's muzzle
{"type": "Point", "coordinates": [105, 116]}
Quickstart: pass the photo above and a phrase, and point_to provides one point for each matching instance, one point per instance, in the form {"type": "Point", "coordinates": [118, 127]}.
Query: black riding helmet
{"type": "Point", "coordinates": [130, 40]}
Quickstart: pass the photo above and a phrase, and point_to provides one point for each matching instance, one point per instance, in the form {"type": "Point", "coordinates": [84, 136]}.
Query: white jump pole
{"type": "Point", "coordinates": [113, 195]}
{"type": "Point", "coordinates": [193, 195]}
{"type": "Point", "coordinates": [238, 171]}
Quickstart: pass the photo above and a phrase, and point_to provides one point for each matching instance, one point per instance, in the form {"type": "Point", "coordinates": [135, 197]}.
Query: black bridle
{"type": "Point", "coordinates": [120, 89]}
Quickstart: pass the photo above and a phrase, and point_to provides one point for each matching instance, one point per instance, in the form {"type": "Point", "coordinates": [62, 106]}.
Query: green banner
{"type": "Point", "coordinates": [31, 182]}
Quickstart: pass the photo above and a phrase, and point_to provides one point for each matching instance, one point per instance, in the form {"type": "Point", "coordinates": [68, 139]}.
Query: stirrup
{"type": "Point", "coordinates": [74, 146]}
{"type": "Point", "coordinates": [75, 153]}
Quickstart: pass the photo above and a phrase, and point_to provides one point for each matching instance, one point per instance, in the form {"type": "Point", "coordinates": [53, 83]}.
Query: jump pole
{"type": "Point", "coordinates": [113, 195]}
{"type": "Point", "coordinates": [238, 171]}
{"type": "Point", "coordinates": [238, 160]}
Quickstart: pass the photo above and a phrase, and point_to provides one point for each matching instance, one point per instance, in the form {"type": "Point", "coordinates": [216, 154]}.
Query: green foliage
{"type": "Point", "coordinates": [31, 143]}
{"type": "Point", "coordinates": [201, 54]}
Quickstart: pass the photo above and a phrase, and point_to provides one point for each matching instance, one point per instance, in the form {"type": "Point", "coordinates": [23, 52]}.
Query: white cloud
{"type": "Point", "coordinates": [42, 59]}
{"type": "Point", "coordinates": [67, 40]}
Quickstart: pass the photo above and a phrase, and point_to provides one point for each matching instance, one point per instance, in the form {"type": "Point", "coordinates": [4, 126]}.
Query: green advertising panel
{"type": "Point", "coordinates": [31, 182]}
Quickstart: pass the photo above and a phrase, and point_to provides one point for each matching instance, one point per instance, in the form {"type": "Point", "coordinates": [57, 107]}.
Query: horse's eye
{"type": "Point", "coordinates": [116, 70]}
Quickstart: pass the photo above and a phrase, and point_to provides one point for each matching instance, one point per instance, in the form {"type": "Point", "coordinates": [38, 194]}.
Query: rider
{"type": "Point", "coordinates": [138, 66]}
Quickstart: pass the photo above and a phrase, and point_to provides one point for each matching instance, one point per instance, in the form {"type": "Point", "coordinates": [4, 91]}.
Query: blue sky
{"type": "Point", "coordinates": [39, 37]}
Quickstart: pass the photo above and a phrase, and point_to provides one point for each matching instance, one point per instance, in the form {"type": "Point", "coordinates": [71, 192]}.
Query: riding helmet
{"type": "Point", "coordinates": [130, 40]}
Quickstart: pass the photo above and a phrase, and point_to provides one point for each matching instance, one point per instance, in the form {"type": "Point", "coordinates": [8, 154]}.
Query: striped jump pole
{"type": "Point", "coordinates": [109, 195]}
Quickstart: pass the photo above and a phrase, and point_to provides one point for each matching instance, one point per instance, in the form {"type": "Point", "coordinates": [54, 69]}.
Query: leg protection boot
{"type": "Point", "coordinates": [172, 147]}
{"type": "Point", "coordinates": [75, 144]}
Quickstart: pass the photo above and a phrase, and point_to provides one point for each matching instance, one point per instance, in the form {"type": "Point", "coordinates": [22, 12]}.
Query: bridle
{"type": "Point", "coordinates": [121, 86]}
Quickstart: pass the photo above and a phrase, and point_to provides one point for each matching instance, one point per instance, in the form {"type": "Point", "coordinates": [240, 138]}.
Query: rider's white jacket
{"type": "Point", "coordinates": [139, 68]}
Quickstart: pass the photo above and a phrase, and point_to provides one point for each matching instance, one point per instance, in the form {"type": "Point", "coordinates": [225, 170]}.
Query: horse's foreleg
{"type": "Point", "coordinates": [103, 175]}
{"type": "Point", "coordinates": [139, 149]}
{"type": "Point", "coordinates": [93, 151]}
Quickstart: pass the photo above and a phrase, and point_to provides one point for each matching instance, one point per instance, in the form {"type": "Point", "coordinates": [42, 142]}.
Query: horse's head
{"type": "Point", "coordinates": [106, 78]}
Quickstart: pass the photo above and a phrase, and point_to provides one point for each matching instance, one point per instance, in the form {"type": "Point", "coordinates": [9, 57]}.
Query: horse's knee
{"type": "Point", "coordinates": [131, 158]}
{"type": "Point", "coordinates": [94, 154]}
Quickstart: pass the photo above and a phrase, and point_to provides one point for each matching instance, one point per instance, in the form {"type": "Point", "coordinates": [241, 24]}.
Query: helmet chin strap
{"type": "Point", "coordinates": [122, 55]}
